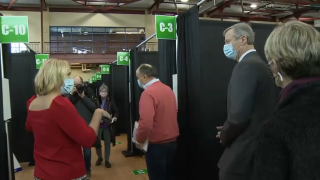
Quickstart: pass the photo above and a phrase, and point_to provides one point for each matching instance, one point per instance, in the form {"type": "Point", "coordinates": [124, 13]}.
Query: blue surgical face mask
{"type": "Point", "coordinates": [229, 52]}
{"type": "Point", "coordinates": [68, 85]}
{"type": "Point", "coordinates": [140, 85]}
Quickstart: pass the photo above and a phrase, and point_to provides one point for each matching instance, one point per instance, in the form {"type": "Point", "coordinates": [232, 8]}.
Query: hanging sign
{"type": "Point", "coordinates": [105, 69]}
{"type": "Point", "coordinates": [90, 81]}
{"type": "Point", "coordinates": [98, 76]}
{"type": "Point", "coordinates": [123, 58]}
{"type": "Point", "coordinates": [40, 59]}
{"type": "Point", "coordinates": [166, 27]}
{"type": "Point", "coordinates": [94, 78]}
{"type": "Point", "coordinates": [14, 29]}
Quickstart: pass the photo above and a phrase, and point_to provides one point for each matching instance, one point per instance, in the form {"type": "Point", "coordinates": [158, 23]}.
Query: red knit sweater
{"type": "Point", "coordinates": [158, 115]}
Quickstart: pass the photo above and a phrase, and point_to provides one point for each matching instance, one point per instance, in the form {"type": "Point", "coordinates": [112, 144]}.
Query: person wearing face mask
{"type": "Point", "coordinates": [157, 123]}
{"type": "Point", "coordinates": [85, 104]}
{"type": "Point", "coordinates": [288, 144]}
{"type": "Point", "coordinates": [251, 100]}
{"type": "Point", "coordinates": [58, 129]}
{"type": "Point", "coordinates": [106, 132]}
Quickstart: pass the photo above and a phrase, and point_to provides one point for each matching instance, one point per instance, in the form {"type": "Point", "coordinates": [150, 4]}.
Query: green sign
{"type": "Point", "coordinates": [98, 76]}
{"type": "Point", "coordinates": [93, 78]}
{"type": "Point", "coordinates": [90, 80]}
{"type": "Point", "coordinates": [105, 69]}
{"type": "Point", "coordinates": [119, 143]}
{"type": "Point", "coordinates": [140, 171]}
{"type": "Point", "coordinates": [166, 27]}
{"type": "Point", "coordinates": [14, 29]}
{"type": "Point", "coordinates": [40, 58]}
{"type": "Point", "coordinates": [123, 58]}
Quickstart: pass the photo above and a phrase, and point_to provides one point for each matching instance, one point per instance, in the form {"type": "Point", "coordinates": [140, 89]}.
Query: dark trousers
{"type": "Point", "coordinates": [159, 159]}
{"type": "Point", "coordinates": [87, 158]}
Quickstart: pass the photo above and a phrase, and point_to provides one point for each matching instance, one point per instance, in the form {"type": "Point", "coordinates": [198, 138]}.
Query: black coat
{"type": "Point", "coordinates": [113, 110]}
{"type": "Point", "coordinates": [289, 144]}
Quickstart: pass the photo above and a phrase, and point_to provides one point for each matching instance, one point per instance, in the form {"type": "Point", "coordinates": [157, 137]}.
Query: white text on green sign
{"type": "Point", "coordinates": [140, 171]}
{"type": "Point", "coordinates": [123, 58]}
{"type": "Point", "coordinates": [105, 69]}
{"type": "Point", "coordinates": [98, 76]}
{"type": "Point", "coordinates": [165, 27]}
{"type": "Point", "coordinates": [40, 59]}
{"type": "Point", "coordinates": [14, 29]}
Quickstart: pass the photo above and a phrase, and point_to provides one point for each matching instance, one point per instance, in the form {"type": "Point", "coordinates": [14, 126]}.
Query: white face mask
{"type": "Point", "coordinates": [103, 94]}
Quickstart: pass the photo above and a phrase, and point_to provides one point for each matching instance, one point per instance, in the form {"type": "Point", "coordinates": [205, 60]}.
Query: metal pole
{"type": "Point", "coordinates": [6, 122]}
{"type": "Point", "coordinates": [143, 42]}
{"type": "Point", "coordinates": [201, 2]}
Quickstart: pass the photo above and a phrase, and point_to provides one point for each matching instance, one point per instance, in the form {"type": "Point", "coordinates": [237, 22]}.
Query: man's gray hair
{"type": "Point", "coordinates": [148, 70]}
{"type": "Point", "coordinates": [241, 29]}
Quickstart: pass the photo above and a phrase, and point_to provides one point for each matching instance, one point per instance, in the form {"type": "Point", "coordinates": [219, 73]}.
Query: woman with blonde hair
{"type": "Point", "coordinates": [288, 145]}
{"type": "Point", "coordinates": [58, 130]}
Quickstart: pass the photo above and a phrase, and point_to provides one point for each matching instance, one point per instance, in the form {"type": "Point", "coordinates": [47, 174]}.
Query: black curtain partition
{"type": "Point", "coordinates": [4, 172]}
{"type": "Point", "coordinates": [167, 56]}
{"type": "Point", "coordinates": [189, 94]}
{"type": "Point", "coordinates": [106, 79]}
{"type": "Point", "coordinates": [120, 93]}
{"type": "Point", "coordinates": [136, 59]}
{"type": "Point", "coordinates": [22, 69]}
{"type": "Point", "coordinates": [131, 149]}
{"type": "Point", "coordinates": [203, 66]}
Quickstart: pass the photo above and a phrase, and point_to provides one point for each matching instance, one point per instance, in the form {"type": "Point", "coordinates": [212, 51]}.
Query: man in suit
{"type": "Point", "coordinates": [251, 99]}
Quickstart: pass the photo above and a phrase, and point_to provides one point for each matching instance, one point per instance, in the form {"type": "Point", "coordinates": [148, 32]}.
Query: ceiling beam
{"type": "Point", "coordinates": [296, 13]}
{"type": "Point", "coordinates": [83, 3]}
{"type": "Point", "coordinates": [220, 7]}
{"type": "Point", "coordinates": [108, 8]}
{"type": "Point", "coordinates": [155, 6]}
{"type": "Point", "coordinates": [11, 4]}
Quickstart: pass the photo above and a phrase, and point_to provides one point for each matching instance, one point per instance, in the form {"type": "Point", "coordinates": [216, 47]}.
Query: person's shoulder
{"type": "Point", "coordinates": [61, 102]}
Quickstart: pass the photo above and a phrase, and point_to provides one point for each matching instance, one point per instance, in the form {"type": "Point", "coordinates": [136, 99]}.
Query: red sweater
{"type": "Point", "coordinates": [158, 115]}
{"type": "Point", "coordinates": [59, 132]}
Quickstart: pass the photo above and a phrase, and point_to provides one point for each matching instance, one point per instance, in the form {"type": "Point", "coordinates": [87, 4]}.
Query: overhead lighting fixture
{"type": "Point", "coordinates": [253, 6]}
{"type": "Point", "coordinates": [184, 1]}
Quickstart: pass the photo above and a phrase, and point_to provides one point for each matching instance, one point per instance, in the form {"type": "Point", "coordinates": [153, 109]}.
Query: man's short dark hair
{"type": "Point", "coordinates": [148, 70]}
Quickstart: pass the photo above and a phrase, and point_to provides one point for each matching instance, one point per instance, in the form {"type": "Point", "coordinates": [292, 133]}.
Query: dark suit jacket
{"type": "Point", "coordinates": [252, 97]}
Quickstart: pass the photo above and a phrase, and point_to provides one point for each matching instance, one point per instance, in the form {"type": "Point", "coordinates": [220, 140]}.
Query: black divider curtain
{"type": "Point", "coordinates": [21, 71]}
{"type": "Point", "coordinates": [106, 79]}
{"type": "Point", "coordinates": [189, 91]}
{"type": "Point", "coordinates": [203, 66]}
{"type": "Point", "coordinates": [4, 171]}
{"type": "Point", "coordinates": [120, 93]}
{"type": "Point", "coordinates": [136, 59]}
{"type": "Point", "coordinates": [167, 57]}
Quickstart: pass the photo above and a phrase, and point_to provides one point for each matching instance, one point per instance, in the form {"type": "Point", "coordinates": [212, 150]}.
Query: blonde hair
{"type": "Point", "coordinates": [51, 75]}
{"type": "Point", "coordinates": [295, 47]}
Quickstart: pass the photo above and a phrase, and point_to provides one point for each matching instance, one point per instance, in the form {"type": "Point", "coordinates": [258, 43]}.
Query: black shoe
{"type": "Point", "coordinates": [107, 164]}
{"type": "Point", "coordinates": [99, 161]}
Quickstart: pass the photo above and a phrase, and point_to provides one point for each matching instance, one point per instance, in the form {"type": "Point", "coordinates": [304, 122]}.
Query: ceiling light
{"type": "Point", "coordinates": [253, 5]}
{"type": "Point", "coordinates": [184, 1]}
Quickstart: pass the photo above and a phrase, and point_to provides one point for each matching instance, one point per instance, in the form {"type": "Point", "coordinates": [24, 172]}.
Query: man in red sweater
{"type": "Point", "coordinates": [158, 123]}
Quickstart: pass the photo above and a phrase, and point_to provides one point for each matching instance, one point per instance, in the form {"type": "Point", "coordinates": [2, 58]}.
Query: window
{"type": "Point", "coordinates": [94, 39]}
{"type": "Point", "coordinates": [18, 47]}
